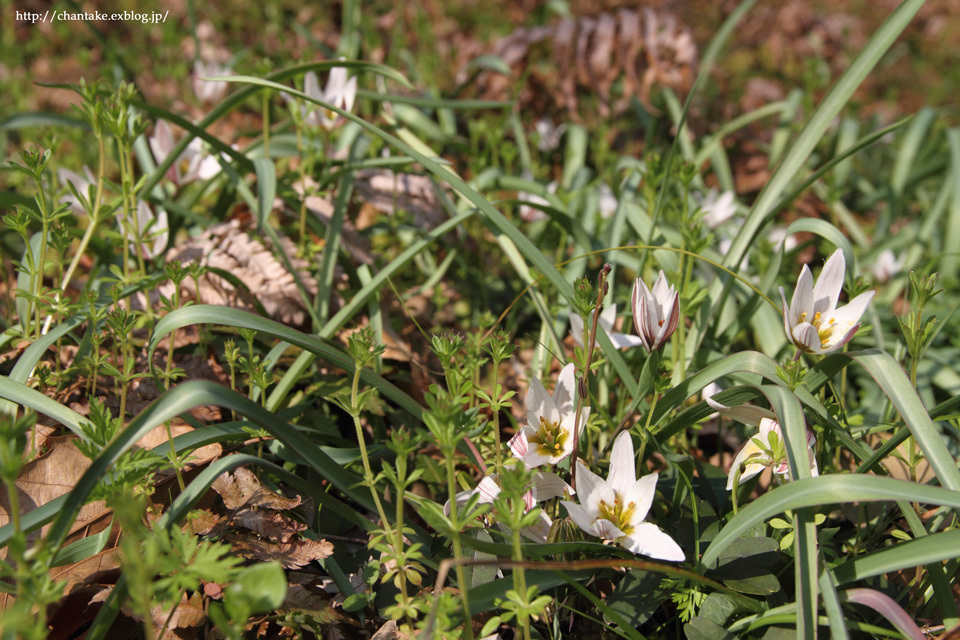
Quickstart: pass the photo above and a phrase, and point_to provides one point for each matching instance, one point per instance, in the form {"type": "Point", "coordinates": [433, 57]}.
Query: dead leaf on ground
{"type": "Point", "coordinates": [46, 478]}
{"type": "Point", "coordinates": [158, 436]}
{"type": "Point", "coordinates": [270, 524]}
{"type": "Point", "coordinates": [229, 247]}
{"type": "Point", "coordinates": [591, 53]}
{"type": "Point", "coordinates": [388, 631]}
{"type": "Point", "coordinates": [242, 488]}
{"type": "Point", "coordinates": [388, 191]}
{"type": "Point", "coordinates": [292, 555]}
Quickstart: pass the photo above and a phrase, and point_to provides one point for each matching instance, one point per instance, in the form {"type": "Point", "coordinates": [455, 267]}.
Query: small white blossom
{"type": "Point", "coordinates": [209, 91]}
{"type": "Point", "coordinates": [608, 201]}
{"type": "Point", "coordinates": [614, 509]}
{"type": "Point", "coordinates": [547, 438]}
{"type": "Point", "coordinates": [887, 265]}
{"type": "Point", "coordinates": [545, 486]}
{"type": "Point", "coordinates": [605, 322]}
{"type": "Point", "coordinates": [718, 209]}
{"type": "Point", "coordinates": [764, 450]}
{"type": "Point", "coordinates": [548, 134]}
{"type": "Point", "coordinates": [656, 314]}
{"type": "Point", "coordinates": [81, 183]}
{"type": "Point", "coordinates": [192, 164]}
{"type": "Point", "coordinates": [812, 321]}
{"type": "Point", "coordinates": [341, 92]}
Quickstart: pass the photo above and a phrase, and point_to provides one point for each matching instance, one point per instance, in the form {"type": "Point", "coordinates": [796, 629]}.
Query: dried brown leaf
{"type": "Point", "coordinates": [591, 52]}
{"type": "Point", "coordinates": [227, 246]}
{"type": "Point", "coordinates": [270, 524]}
{"type": "Point", "coordinates": [242, 489]}
{"type": "Point", "coordinates": [50, 476]}
{"type": "Point", "coordinates": [292, 555]}
{"type": "Point", "coordinates": [387, 191]}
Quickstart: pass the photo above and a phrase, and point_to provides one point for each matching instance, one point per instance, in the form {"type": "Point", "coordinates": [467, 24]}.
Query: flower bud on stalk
{"type": "Point", "coordinates": [656, 313]}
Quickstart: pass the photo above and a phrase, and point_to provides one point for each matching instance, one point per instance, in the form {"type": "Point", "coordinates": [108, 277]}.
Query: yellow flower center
{"type": "Point", "coordinates": [549, 438]}
{"type": "Point", "coordinates": [618, 513]}
{"type": "Point", "coordinates": [823, 332]}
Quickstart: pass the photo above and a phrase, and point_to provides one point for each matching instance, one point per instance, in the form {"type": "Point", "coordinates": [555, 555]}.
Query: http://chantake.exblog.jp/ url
{"type": "Point", "coordinates": [146, 17]}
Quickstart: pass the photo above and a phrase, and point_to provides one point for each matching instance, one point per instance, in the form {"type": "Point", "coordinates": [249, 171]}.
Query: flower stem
{"type": "Point", "coordinates": [457, 549]}
{"type": "Point", "coordinates": [583, 395]}
{"type": "Point", "coordinates": [520, 580]}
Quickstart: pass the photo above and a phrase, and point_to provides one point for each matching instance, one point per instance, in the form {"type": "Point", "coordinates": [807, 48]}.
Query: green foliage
{"type": "Point", "coordinates": [402, 464]}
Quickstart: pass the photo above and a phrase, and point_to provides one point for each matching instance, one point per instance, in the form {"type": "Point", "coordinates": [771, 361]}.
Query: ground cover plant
{"type": "Point", "coordinates": [325, 338]}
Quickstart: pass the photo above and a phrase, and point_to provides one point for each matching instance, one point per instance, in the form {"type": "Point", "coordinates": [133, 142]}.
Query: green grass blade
{"type": "Point", "coordinates": [934, 548]}
{"type": "Point", "coordinates": [816, 126]}
{"type": "Point", "coordinates": [888, 373]}
{"type": "Point", "coordinates": [825, 490]}
{"type": "Point", "coordinates": [211, 314]}
{"type": "Point", "coordinates": [23, 395]}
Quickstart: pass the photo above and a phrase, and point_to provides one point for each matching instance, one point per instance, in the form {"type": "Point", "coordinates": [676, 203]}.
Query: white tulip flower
{"type": "Point", "coordinates": [548, 134]}
{"type": "Point", "coordinates": [192, 164]}
{"type": "Point", "coordinates": [718, 209]}
{"type": "Point", "coordinates": [341, 92]}
{"type": "Point", "coordinates": [209, 91]}
{"type": "Point", "coordinates": [764, 450]}
{"type": "Point", "coordinates": [547, 438]}
{"type": "Point", "coordinates": [81, 183]}
{"type": "Point", "coordinates": [887, 265]}
{"type": "Point", "coordinates": [656, 314]}
{"type": "Point", "coordinates": [605, 323]}
{"type": "Point", "coordinates": [545, 485]}
{"type": "Point", "coordinates": [614, 509]}
{"type": "Point", "coordinates": [812, 321]}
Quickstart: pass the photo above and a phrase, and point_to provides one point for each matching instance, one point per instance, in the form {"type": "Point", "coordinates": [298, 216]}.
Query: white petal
{"type": "Point", "coordinates": [607, 318]}
{"type": "Point", "coordinates": [787, 316]}
{"type": "Point", "coordinates": [639, 294]}
{"type": "Point", "coordinates": [548, 485]}
{"type": "Point", "coordinates": [208, 167]}
{"type": "Point", "coordinates": [648, 539]}
{"type": "Point", "coordinates": [607, 530]}
{"type": "Point", "coordinates": [589, 488]}
{"type": "Point", "coordinates": [349, 94]}
{"type": "Point", "coordinates": [311, 86]}
{"type": "Point", "coordinates": [827, 290]}
{"type": "Point", "coordinates": [641, 493]}
{"type": "Point", "coordinates": [576, 328]}
{"type": "Point", "coordinates": [162, 230]}
{"type": "Point", "coordinates": [488, 490]}
{"type": "Point", "coordinates": [622, 473]}
{"type": "Point", "coordinates": [802, 301]}
{"type": "Point", "coordinates": [579, 516]}
{"type": "Point", "coordinates": [518, 444]}
{"type": "Point", "coordinates": [661, 289]}
{"type": "Point", "coordinates": [806, 337]}
{"type": "Point", "coordinates": [336, 83]}
{"type": "Point", "coordinates": [565, 394]}
{"type": "Point", "coordinates": [747, 451]}
{"type": "Point", "coordinates": [539, 404]}
{"type": "Point", "coordinates": [624, 340]}
{"type": "Point", "coordinates": [461, 499]}
{"type": "Point", "coordinates": [540, 529]}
